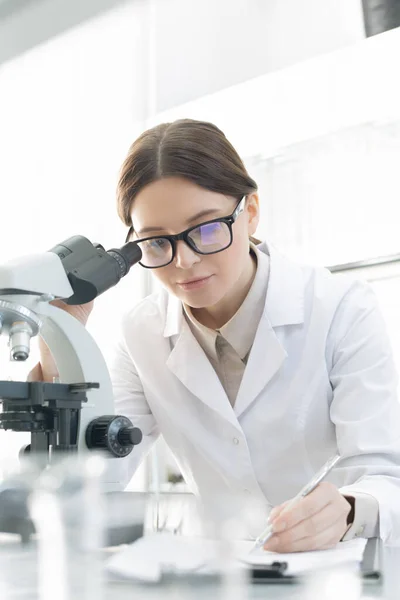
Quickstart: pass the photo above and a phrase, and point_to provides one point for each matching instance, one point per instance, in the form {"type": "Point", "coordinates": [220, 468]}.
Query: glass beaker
{"type": "Point", "coordinates": [67, 509]}
{"type": "Point", "coordinates": [18, 549]}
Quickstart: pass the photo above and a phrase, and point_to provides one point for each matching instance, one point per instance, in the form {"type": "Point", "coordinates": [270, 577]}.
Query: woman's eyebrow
{"type": "Point", "coordinates": [199, 215]}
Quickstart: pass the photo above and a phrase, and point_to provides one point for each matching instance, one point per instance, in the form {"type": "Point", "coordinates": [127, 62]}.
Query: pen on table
{"type": "Point", "coordinates": [307, 489]}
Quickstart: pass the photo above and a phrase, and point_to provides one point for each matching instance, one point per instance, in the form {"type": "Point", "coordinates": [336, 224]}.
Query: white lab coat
{"type": "Point", "coordinates": [320, 378]}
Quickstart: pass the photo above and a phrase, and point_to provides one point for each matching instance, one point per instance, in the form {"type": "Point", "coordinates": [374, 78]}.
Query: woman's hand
{"type": "Point", "coordinates": [79, 311]}
{"type": "Point", "coordinates": [317, 522]}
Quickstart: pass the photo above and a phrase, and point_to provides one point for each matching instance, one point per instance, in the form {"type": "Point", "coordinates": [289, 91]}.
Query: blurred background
{"type": "Point", "coordinates": [307, 91]}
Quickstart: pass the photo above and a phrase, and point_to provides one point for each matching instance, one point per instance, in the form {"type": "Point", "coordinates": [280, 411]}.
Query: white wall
{"type": "Point", "coordinates": [202, 47]}
{"type": "Point", "coordinates": [27, 23]}
{"type": "Point", "coordinates": [353, 85]}
{"type": "Point", "coordinates": [334, 199]}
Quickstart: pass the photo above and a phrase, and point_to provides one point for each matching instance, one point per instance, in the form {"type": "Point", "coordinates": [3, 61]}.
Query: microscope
{"type": "Point", "coordinates": [76, 413]}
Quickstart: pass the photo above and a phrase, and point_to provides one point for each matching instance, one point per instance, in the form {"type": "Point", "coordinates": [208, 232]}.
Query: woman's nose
{"type": "Point", "coordinates": [185, 257]}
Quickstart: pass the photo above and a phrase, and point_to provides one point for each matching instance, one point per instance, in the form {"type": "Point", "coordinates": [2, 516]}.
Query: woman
{"type": "Point", "coordinates": [255, 369]}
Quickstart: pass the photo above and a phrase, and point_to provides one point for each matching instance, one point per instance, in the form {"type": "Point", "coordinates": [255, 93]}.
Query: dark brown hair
{"type": "Point", "coordinates": [195, 150]}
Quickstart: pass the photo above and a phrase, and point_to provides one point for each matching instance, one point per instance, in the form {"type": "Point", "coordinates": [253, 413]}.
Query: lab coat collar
{"type": "Point", "coordinates": [174, 317]}
{"type": "Point", "coordinates": [190, 365]}
{"type": "Point", "coordinates": [284, 305]}
{"type": "Point", "coordinates": [285, 296]}
{"type": "Point", "coordinates": [187, 360]}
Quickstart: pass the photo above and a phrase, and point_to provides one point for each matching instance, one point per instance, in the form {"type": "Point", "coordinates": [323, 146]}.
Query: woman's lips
{"type": "Point", "coordinates": [194, 284]}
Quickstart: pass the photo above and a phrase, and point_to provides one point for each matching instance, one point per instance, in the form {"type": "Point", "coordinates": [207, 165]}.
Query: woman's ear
{"type": "Point", "coordinates": [253, 212]}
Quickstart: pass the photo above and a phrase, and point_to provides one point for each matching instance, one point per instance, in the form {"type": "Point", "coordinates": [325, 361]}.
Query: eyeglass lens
{"type": "Point", "coordinates": [206, 239]}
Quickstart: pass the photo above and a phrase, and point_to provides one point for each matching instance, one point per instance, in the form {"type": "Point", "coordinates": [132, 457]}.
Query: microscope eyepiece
{"type": "Point", "coordinates": [126, 256]}
{"type": "Point", "coordinates": [91, 270]}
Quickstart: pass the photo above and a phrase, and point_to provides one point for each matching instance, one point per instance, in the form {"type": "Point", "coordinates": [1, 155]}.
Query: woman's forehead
{"type": "Point", "coordinates": [175, 201]}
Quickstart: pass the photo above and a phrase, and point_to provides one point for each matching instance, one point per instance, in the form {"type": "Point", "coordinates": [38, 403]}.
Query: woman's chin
{"type": "Point", "coordinates": [199, 299]}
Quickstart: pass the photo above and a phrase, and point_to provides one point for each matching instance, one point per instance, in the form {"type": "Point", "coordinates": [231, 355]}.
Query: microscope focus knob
{"type": "Point", "coordinates": [130, 436]}
{"type": "Point", "coordinates": [112, 433]}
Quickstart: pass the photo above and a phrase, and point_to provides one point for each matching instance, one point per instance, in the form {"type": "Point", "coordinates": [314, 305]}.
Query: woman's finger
{"type": "Point", "coordinates": [326, 538]}
{"type": "Point", "coordinates": [310, 528]}
{"type": "Point", "coordinates": [307, 507]}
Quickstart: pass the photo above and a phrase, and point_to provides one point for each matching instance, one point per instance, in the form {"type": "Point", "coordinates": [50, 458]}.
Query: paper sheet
{"type": "Point", "coordinates": [151, 556]}
{"type": "Point", "coordinates": [301, 562]}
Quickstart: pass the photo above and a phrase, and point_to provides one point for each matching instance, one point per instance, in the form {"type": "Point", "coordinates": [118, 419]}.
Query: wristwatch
{"type": "Point", "coordinates": [350, 517]}
{"type": "Point", "coordinates": [352, 501]}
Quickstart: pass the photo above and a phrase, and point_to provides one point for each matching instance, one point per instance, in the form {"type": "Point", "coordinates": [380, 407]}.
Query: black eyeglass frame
{"type": "Point", "coordinates": [184, 235]}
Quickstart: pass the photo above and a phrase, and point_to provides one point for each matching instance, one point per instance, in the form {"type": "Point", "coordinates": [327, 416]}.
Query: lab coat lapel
{"type": "Point", "coordinates": [284, 306]}
{"type": "Point", "coordinates": [190, 365]}
{"type": "Point", "coordinates": [265, 359]}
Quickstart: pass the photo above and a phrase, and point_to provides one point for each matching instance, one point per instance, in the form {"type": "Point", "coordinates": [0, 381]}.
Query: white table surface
{"type": "Point", "coordinates": [18, 581]}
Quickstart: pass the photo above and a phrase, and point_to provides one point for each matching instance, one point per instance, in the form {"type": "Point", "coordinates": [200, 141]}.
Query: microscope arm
{"type": "Point", "coordinates": [78, 359]}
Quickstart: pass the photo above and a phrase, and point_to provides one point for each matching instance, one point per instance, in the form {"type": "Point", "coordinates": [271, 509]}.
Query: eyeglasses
{"type": "Point", "coordinates": [206, 238]}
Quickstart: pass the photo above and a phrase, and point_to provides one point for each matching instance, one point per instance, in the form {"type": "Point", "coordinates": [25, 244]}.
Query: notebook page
{"type": "Point", "coordinates": [350, 552]}
{"type": "Point", "coordinates": [149, 557]}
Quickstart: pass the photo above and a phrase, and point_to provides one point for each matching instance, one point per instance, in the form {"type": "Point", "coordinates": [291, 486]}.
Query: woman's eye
{"type": "Point", "coordinates": [159, 243]}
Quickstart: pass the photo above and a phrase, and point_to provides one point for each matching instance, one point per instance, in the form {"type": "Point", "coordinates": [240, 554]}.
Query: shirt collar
{"type": "Point", "coordinates": [204, 335]}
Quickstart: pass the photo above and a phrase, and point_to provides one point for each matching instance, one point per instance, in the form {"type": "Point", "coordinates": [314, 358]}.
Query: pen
{"type": "Point", "coordinates": [307, 489]}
